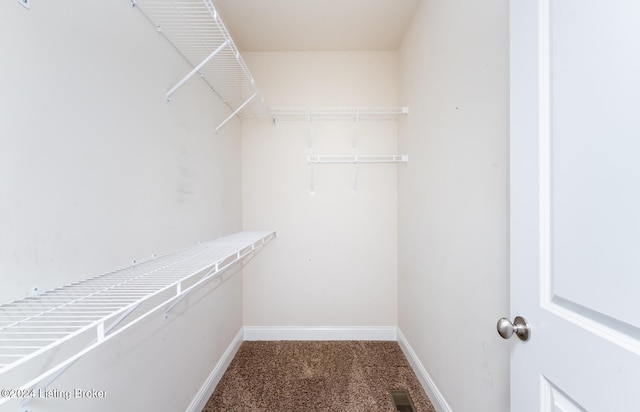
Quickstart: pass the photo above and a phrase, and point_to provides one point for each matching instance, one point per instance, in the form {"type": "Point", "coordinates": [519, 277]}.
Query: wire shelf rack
{"type": "Point", "coordinates": [196, 30]}
{"type": "Point", "coordinates": [337, 113]}
{"type": "Point", "coordinates": [87, 313]}
{"type": "Point", "coordinates": [355, 159]}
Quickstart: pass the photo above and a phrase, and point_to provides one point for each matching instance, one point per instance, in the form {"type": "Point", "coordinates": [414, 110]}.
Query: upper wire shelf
{"type": "Point", "coordinates": [196, 30]}
{"type": "Point", "coordinates": [337, 113]}
{"type": "Point", "coordinates": [51, 326]}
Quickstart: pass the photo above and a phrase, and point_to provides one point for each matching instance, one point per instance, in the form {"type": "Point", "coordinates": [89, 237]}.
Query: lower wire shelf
{"type": "Point", "coordinates": [355, 159]}
{"type": "Point", "coordinates": [87, 313]}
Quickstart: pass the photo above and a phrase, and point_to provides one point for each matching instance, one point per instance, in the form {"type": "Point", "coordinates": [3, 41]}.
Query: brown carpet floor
{"type": "Point", "coordinates": [301, 376]}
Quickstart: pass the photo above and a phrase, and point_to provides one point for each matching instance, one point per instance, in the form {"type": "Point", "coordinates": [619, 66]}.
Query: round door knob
{"type": "Point", "coordinates": [520, 327]}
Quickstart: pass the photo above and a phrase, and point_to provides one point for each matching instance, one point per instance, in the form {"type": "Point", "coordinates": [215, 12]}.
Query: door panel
{"type": "Point", "coordinates": [594, 155]}
{"type": "Point", "coordinates": [575, 203]}
{"type": "Point", "coordinates": [554, 400]}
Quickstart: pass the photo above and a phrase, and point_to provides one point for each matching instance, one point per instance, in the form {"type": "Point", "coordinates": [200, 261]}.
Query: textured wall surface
{"type": "Point", "coordinates": [452, 237]}
{"type": "Point", "coordinates": [96, 170]}
{"type": "Point", "coordinates": [334, 262]}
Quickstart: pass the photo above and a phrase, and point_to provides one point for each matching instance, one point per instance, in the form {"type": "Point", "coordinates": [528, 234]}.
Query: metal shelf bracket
{"type": "Point", "coordinates": [236, 111]}
{"type": "Point", "coordinates": [355, 132]}
{"type": "Point", "coordinates": [196, 69]}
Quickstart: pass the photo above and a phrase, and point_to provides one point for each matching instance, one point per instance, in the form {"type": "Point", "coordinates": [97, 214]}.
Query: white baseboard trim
{"type": "Point", "coordinates": [320, 333]}
{"type": "Point", "coordinates": [429, 386]}
{"type": "Point", "coordinates": [205, 392]}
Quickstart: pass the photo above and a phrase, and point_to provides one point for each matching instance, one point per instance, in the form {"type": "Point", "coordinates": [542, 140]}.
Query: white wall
{"type": "Point", "coordinates": [452, 237]}
{"type": "Point", "coordinates": [97, 170]}
{"type": "Point", "coordinates": [334, 261]}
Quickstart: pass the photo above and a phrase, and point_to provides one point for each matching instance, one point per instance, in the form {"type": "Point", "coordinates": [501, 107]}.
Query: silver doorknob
{"type": "Point", "coordinates": [520, 327]}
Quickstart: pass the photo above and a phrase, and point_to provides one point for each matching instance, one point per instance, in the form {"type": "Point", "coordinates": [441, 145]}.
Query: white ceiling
{"type": "Point", "coordinates": [287, 25]}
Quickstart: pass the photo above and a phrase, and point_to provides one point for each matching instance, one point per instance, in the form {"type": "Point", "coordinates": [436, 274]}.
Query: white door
{"type": "Point", "coordinates": [575, 204]}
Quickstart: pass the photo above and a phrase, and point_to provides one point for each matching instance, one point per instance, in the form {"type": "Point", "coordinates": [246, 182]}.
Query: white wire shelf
{"type": "Point", "coordinates": [196, 30]}
{"type": "Point", "coordinates": [337, 113]}
{"type": "Point", "coordinates": [355, 159]}
{"type": "Point", "coordinates": [90, 312]}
